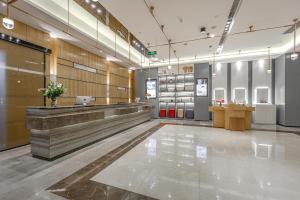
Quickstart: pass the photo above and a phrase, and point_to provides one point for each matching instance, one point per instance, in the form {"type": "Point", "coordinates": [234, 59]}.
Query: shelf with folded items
{"type": "Point", "coordinates": [176, 92]}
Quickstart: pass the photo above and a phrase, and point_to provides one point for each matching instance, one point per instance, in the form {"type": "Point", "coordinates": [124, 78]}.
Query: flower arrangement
{"type": "Point", "coordinates": [52, 91]}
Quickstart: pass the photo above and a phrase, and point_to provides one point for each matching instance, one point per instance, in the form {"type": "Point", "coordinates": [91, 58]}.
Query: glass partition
{"type": "Point", "coordinates": [83, 21]}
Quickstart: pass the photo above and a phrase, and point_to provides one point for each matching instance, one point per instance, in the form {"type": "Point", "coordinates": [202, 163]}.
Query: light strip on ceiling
{"type": "Point", "coordinates": [229, 24]}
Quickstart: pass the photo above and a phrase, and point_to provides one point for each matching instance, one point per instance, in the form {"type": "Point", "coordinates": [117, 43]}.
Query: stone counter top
{"type": "Point", "coordinates": [46, 110]}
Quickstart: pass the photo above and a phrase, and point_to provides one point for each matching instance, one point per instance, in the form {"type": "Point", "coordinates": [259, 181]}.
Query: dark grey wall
{"type": "Point", "coordinates": [287, 92]}
{"type": "Point", "coordinates": [202, 70]}
{"type": "Point", "coordinates": [229, 82]}
{"type": "Point", "coordinates": [250, 71]}
{"type": "Point", "coordinates": [140, 82]}
{"type": "Point", "coordinates": [273, 81]}
{"type": "Point", "coordinates": [292, 91]}
{"type": "Point", "coordinates": [280, 89]}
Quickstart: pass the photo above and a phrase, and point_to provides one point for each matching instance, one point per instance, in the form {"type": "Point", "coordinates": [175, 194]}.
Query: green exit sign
{"type": "Point", "coordinates": [152, 53]}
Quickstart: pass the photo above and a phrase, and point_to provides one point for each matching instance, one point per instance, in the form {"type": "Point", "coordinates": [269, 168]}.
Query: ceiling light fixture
{"type": "Point", "coordinates": [169, 66]}
{"type": "Point", "coordinates": [53, 35]}
{"type": "Point", "coordinates": [219, 49]}
{"type": "Point", "coordinates": [93, 6]}
{"type": "Point", "coordinates": [94, 0]}
{"type": "Point", "coordinates": [294, 55]}
{"type": "Point", "coordinates": [213, 67]}
{"type": "Point", "coordinates": [87, 1]}
{"type": "Point", "coordinates": [269, 60]}
{"type": "Point", "coordinates": [202, 30]}
{"type": "Point", "coordinates": [99, 11]}
{"type": "Point", "coordinates": [7, 22]}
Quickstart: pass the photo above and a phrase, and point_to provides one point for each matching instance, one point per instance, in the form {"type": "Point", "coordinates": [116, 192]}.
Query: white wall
{"type": "Point", "coordinates": [261, 78]}
{"type": "Point", "coordinates": [239, 77]}
{"type": "Point", "coordinates": [220, 80]}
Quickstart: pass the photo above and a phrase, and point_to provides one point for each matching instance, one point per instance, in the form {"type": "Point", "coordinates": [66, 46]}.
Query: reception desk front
{"type": "Point", "coordinates": [232, 117]}
{"type": "Point", "coordinates": [57, 131]}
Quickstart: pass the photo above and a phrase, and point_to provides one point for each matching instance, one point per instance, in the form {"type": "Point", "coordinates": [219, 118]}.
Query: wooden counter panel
{"type": "Point", "coordinates": [235, 117]}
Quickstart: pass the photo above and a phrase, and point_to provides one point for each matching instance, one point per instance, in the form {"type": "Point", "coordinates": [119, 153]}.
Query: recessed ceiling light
{"type": "Point", "coordinates": [212, 35]}
{"type": "Point", "coordinates": [94, 0]}
{"type": "Point", "coordinates": [8, 23]}
{"type": "Point", "coordinates": [3, 4]}
{"type": "Point", "coordinates": [87, 1]}
{"type": "Point", "coordinates": [93, 6]}
{"type": "Point", "coordinates": [52, 35]}
{"type": "Point", "coordinates": [99, 11]}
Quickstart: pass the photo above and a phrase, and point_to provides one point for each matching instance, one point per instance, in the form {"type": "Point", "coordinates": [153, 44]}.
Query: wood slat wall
{"type": "Point", "coordinates": [84, 83]}
{"type": "Point", "coordinates": [118, 84]}
{"type": "Point", "coordinates": [78, 82]}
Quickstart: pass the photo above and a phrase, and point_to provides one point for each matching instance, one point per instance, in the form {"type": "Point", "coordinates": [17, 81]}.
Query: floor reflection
{"type": "Point", "coordinates": [185, 162]}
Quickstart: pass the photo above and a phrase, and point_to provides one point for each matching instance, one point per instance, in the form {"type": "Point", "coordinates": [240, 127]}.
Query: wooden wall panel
{"type": "Point", "coordinates": [27, 33]}
{"type": "Point", "coordinates": [132, 86]}
{"type": "Point", "coordinates": [83, 83]}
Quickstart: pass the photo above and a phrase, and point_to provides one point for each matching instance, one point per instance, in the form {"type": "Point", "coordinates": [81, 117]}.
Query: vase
{"type": "Point", "coordinates": [53, 102]}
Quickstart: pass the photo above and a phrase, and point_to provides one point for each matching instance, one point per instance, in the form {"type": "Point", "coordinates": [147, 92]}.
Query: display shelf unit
{"type": "Point", "coordinates": [176, 96]}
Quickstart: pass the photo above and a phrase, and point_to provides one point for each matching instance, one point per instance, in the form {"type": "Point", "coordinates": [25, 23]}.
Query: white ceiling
{"type": "Point", "coordinates": [135, 16]}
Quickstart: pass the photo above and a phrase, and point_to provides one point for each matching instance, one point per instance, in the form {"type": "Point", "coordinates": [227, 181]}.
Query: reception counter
{"type": "Point", "coordinates": [57, 131]}
{"type": "Point", "coordinates": [232, 117]}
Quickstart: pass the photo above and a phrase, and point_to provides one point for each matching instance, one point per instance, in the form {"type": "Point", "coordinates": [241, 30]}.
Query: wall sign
{"type": "Point", "coordinates": [202, 87]}
{"type": "Point", "coordinates": [85, 68]}
{"type": "Point", "coordinates": [151, 88]}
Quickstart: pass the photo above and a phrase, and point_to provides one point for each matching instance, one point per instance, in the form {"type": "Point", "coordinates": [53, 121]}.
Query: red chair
{"type": "Point", "coordinates": [163, 113]}
{"type": "Point", "coordinates": [171, 113]}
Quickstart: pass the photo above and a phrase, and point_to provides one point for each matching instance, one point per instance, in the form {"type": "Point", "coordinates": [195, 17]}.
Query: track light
{"type": "Point", "coordinates": [294, 55]}
{"type": "Point", "coordinates": [202, 30]}
{"type": "Point", "coordinates": [219, 49]}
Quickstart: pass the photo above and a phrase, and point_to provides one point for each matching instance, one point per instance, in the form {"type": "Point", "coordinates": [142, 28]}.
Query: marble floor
{"type": "Point", "coordinates": [183, 160]}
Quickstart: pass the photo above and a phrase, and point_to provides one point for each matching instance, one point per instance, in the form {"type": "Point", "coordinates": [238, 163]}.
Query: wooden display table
{"type": "Point", "coordinates": [232, 117]}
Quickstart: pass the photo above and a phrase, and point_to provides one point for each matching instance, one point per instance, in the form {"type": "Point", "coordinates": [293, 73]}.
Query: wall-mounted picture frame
{"type": "Point", "coordinates": [151, 86]}
{"type": "Point", "coordinates": [202, 87]}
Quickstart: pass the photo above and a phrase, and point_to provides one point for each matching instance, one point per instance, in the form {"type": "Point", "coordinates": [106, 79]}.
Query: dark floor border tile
{"type": "Point", "coordinates": [78, 186]}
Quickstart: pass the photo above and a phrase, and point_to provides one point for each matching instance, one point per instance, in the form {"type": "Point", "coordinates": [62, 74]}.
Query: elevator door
{"type": "Point", "coordinates": [21, 75]}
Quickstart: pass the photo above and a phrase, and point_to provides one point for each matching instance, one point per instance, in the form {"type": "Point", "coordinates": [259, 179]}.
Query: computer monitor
{"type": "Point", "coordinates": [83, 100]}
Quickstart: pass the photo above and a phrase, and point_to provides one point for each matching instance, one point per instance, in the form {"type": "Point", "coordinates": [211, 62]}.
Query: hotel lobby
{"type": "Point", "coordinates": [149, 99]}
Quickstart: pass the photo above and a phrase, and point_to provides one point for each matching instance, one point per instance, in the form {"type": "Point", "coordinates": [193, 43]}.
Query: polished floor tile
{"type": "Point", "coordinates": [189, 162]}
